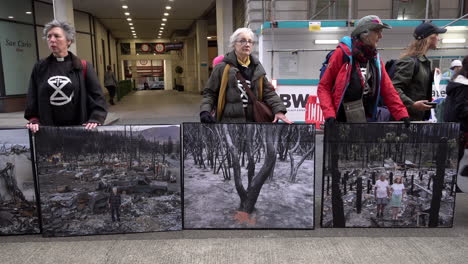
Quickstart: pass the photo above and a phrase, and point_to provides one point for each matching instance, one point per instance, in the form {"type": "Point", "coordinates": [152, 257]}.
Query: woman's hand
{"type": "Point", "coordinates": [282, 117]}
{"type": "Point", "coordinates": [90, 125]}
{"type": "Point", "coordinates": [421, 106]}
{"type": "Point", "coordinates": [34, 127]}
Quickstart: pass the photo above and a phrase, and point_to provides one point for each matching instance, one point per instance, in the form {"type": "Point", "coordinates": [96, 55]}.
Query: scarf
{"type": "Point", "coordinates": [246, 63]}
{"type": "Point", "coordinates": [362, 52]}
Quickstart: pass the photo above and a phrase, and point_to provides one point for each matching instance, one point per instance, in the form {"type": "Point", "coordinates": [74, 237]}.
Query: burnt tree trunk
{"type": "Point", "coordinates": [248, 198]}
{"type": "Point", "coordinates": [337, 200]}
{"type": "Point", "coordinates": [359, 194]}
{"type": "Point", "coordinates": [438, 183]}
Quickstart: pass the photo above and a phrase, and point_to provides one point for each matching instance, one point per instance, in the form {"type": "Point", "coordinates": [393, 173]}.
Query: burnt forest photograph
{"type": "Point", "coordinates": [112, 179]}
{"type": "Point", "coordinates": [18, 203]}
{"type": "Point", "coordinates": [388, 175]}
{"type": "Point", "coordinates": [247, 176]}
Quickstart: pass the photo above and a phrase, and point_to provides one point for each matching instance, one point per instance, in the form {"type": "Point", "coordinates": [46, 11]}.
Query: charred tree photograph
{"type": "Point", "coordinates": [18, 203]}
{"type": "Point", "coordinates": [387, 175]}
{"type": "Point", "coordinates": [248, 176]}
{"type": "Point", "coordinates": [113, 179]}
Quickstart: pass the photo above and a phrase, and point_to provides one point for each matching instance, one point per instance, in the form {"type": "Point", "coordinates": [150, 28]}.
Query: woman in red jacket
{"type": "Point", "coordinates": [355, 79]}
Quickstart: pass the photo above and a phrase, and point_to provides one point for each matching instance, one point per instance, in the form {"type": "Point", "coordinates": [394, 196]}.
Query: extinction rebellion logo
{"type": "Point", "coordinates": [59, 98]}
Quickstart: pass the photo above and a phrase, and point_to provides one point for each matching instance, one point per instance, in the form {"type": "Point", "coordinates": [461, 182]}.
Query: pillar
{"type": "Point", "coordinates": [202, 53]}
{"type": "Point", "coordinates": [63, 11]}
{"type": "Point", "coordinates": [224, 25]}
{"type": "Point", "coordinates": [168, 79]}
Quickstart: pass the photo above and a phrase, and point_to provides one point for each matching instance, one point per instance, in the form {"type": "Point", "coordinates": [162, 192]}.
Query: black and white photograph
{"type": "Point", "coordinates": [113, 179]}
{"type": "Point", "coordinates": [388, 175]}
{"type": "Point", "coordinates": [18, 203]}
{"type": "Point", "coordinates": [248, 176]}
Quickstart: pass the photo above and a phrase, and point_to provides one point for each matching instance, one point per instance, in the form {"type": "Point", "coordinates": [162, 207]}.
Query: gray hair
{"type": "Point", "coordinates": [69, 30]}
{"type": "Point", "coordinates": [235, 36]}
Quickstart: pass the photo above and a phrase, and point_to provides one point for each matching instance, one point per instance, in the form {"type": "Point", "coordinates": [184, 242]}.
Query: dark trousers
{"type": "Point", "coordinates": [111, 90]}
{"type": "Point", "coordinates": [115, 211]}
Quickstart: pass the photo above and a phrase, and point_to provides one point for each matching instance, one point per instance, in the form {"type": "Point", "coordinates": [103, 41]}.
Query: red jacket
{"type": "Point", "coordinates": [335, 81]}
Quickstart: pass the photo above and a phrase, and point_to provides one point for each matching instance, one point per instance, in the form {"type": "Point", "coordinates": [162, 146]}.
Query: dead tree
{"type": "Point", "coordinates": [295, 167]}
{"type": "Point", "coordinates": [438, 183]}
{"type": "Point", "coordinates": [248, 197]}
{"type": "Point", "coordinates": [10, 182]}
{"type": "Point", "coordinates": [337, 200]}
{"type": "Point", "coordinates": [359, 194]}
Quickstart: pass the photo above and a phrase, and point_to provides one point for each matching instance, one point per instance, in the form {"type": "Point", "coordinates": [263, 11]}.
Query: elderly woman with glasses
{"type": "Point", "coordinates": [64, 90]}
{"type": "Point", "coordinates": [234, 105]}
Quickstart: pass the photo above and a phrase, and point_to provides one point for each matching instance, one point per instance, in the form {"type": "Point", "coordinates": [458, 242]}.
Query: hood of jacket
{"type": "Point", "coordinates": [456, 83]}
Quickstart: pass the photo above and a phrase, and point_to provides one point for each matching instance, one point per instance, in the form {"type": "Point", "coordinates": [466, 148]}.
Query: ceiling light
{"type": "Point", "coordinates": [129, 19]}
{"type": "Point", "coordinates": [164, 19]}
{"type": "Point", "coordinates": [159, 37]}
{"type": "Point", "coordinates": [130, 24]}
{"type": "Point", "coordinates": [163, 24]}
{"type": "Point", "coordinates": [134, 36]}
{"type": "Point", "coordinates": [326, 41]}
{"type": "Point", "coordinates": [166, 14]}
{"type": "Point", "coordinates": [208, 37]}
{"type": "Point", "coordinates": [132, 27]}
{"type": "Point", "coordinates": [133, 31]}
{"type": "Point", "coordinates": [28, 12]}
{"type": "Point", "coordinates": [127, 13]}
{"type": "Point", "coordinates": [168, 7]}
{"type": "Point", "coordinates": [160, 31]}
{"type": "Point", "coordinates": [454, 41]}
{"type": "Point", "coordinates": [11, 17]}
{"type": "Point", "coordinates": [457, 28]}
{"type": "Point", "coordinates": [124, 6]}
{"type": "Point", "coordinates": [162, 28]}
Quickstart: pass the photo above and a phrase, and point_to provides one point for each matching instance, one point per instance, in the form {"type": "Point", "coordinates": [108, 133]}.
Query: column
{"type": "Point", "coordinates": [63, 11]}
{"type": "Point", "coordinates": [224, 25]}
{"type": "Point", "coordinates": [168, 80]}
{"type": "Point", "coordinates": [202, 53]}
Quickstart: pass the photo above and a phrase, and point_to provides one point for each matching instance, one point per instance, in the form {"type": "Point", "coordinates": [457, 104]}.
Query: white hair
{"type": "Point", "coordinates": [235, 36]}
{"type": "Point", "coordinates": [68, 29]}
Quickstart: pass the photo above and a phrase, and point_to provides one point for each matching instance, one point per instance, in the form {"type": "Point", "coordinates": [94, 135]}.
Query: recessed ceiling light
{"type": "Point", "coordinates": [168, 7]}
{"type": "Point", "coordinates": [28, 12]}
{"type": "Point", "coordinates": [166, 14]}
{"type": "Point", "coordinates": [159, 37]}
{"type": "Point", "coordinates": [11, 17]}
{"type": "Point", "coordinates": [160, 31]}
{"type": "Point", "coordinates": [164, 19]}
{"type": "Point", "coordinates": [129, 19]}
{"type": "Point", "coordinates": [132, 27]}
{"type": "Point", "coordinates": [163, 24]}
{"type": "Point", "coordinates": [124, 6]}
{"type": "Point", "coordinates": [130, 24]}
{"type": "Point", "coordinates": [127, 13]}
{"type": "Point", "coordinates": [161, 28]}
{"type": "Point", "coordinates": [208, 37]}
{"type": "Point", "coordinates": [133, 31]}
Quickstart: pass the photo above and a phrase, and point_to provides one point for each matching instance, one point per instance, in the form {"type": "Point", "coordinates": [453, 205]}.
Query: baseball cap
{"type": "Point", "coordinates": [368, 23]}
{"type": "Point", "coordinates": [455, 63]}
{"type": "Point", "coordinates": [424, 30]}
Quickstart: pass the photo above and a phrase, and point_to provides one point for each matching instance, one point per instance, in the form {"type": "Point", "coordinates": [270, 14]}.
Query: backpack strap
{"type": "Point", "coordinates": [85, 68]}
{"type": "Point", "coordinates": [222, 92]}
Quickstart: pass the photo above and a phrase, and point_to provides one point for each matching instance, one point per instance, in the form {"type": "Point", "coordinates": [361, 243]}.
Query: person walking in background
{"type": "Point", "coordinates": [356, 79]}
{"type": "Point", "coordinates": [110, 83]}
{"type": "Point", "coordinates": [382, 191]}
{"type": "Point", "coordinates": [397, 193]}
{"type": "Point", "coordinates": [63, 90]}
{"type": "Point", "coordinates": [236, 106]}
{"type": "Point", "coordinates": [413, 76]}
{"type": "Point", "coordinates": [455, 66]}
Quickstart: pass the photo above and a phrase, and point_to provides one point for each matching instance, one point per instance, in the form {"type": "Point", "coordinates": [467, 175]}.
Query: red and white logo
{"type": "Point", "coordinates": [159, 48]}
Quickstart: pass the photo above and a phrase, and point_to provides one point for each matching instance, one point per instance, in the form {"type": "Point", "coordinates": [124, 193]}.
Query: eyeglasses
{"type": "Point", "coordinates": [244, 42]}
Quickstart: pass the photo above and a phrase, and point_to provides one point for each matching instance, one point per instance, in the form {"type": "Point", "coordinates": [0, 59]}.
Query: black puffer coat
{"type": "Point", "coordinates": [456, 102]}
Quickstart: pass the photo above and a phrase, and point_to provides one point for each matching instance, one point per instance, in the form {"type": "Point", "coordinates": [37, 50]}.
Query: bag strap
{"type": "Point", "coordinates": [246, 86]}
{"type": "Point", "coordinates": [85, 68]}
{"type": "Point", "coordinates": [222, 92]}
